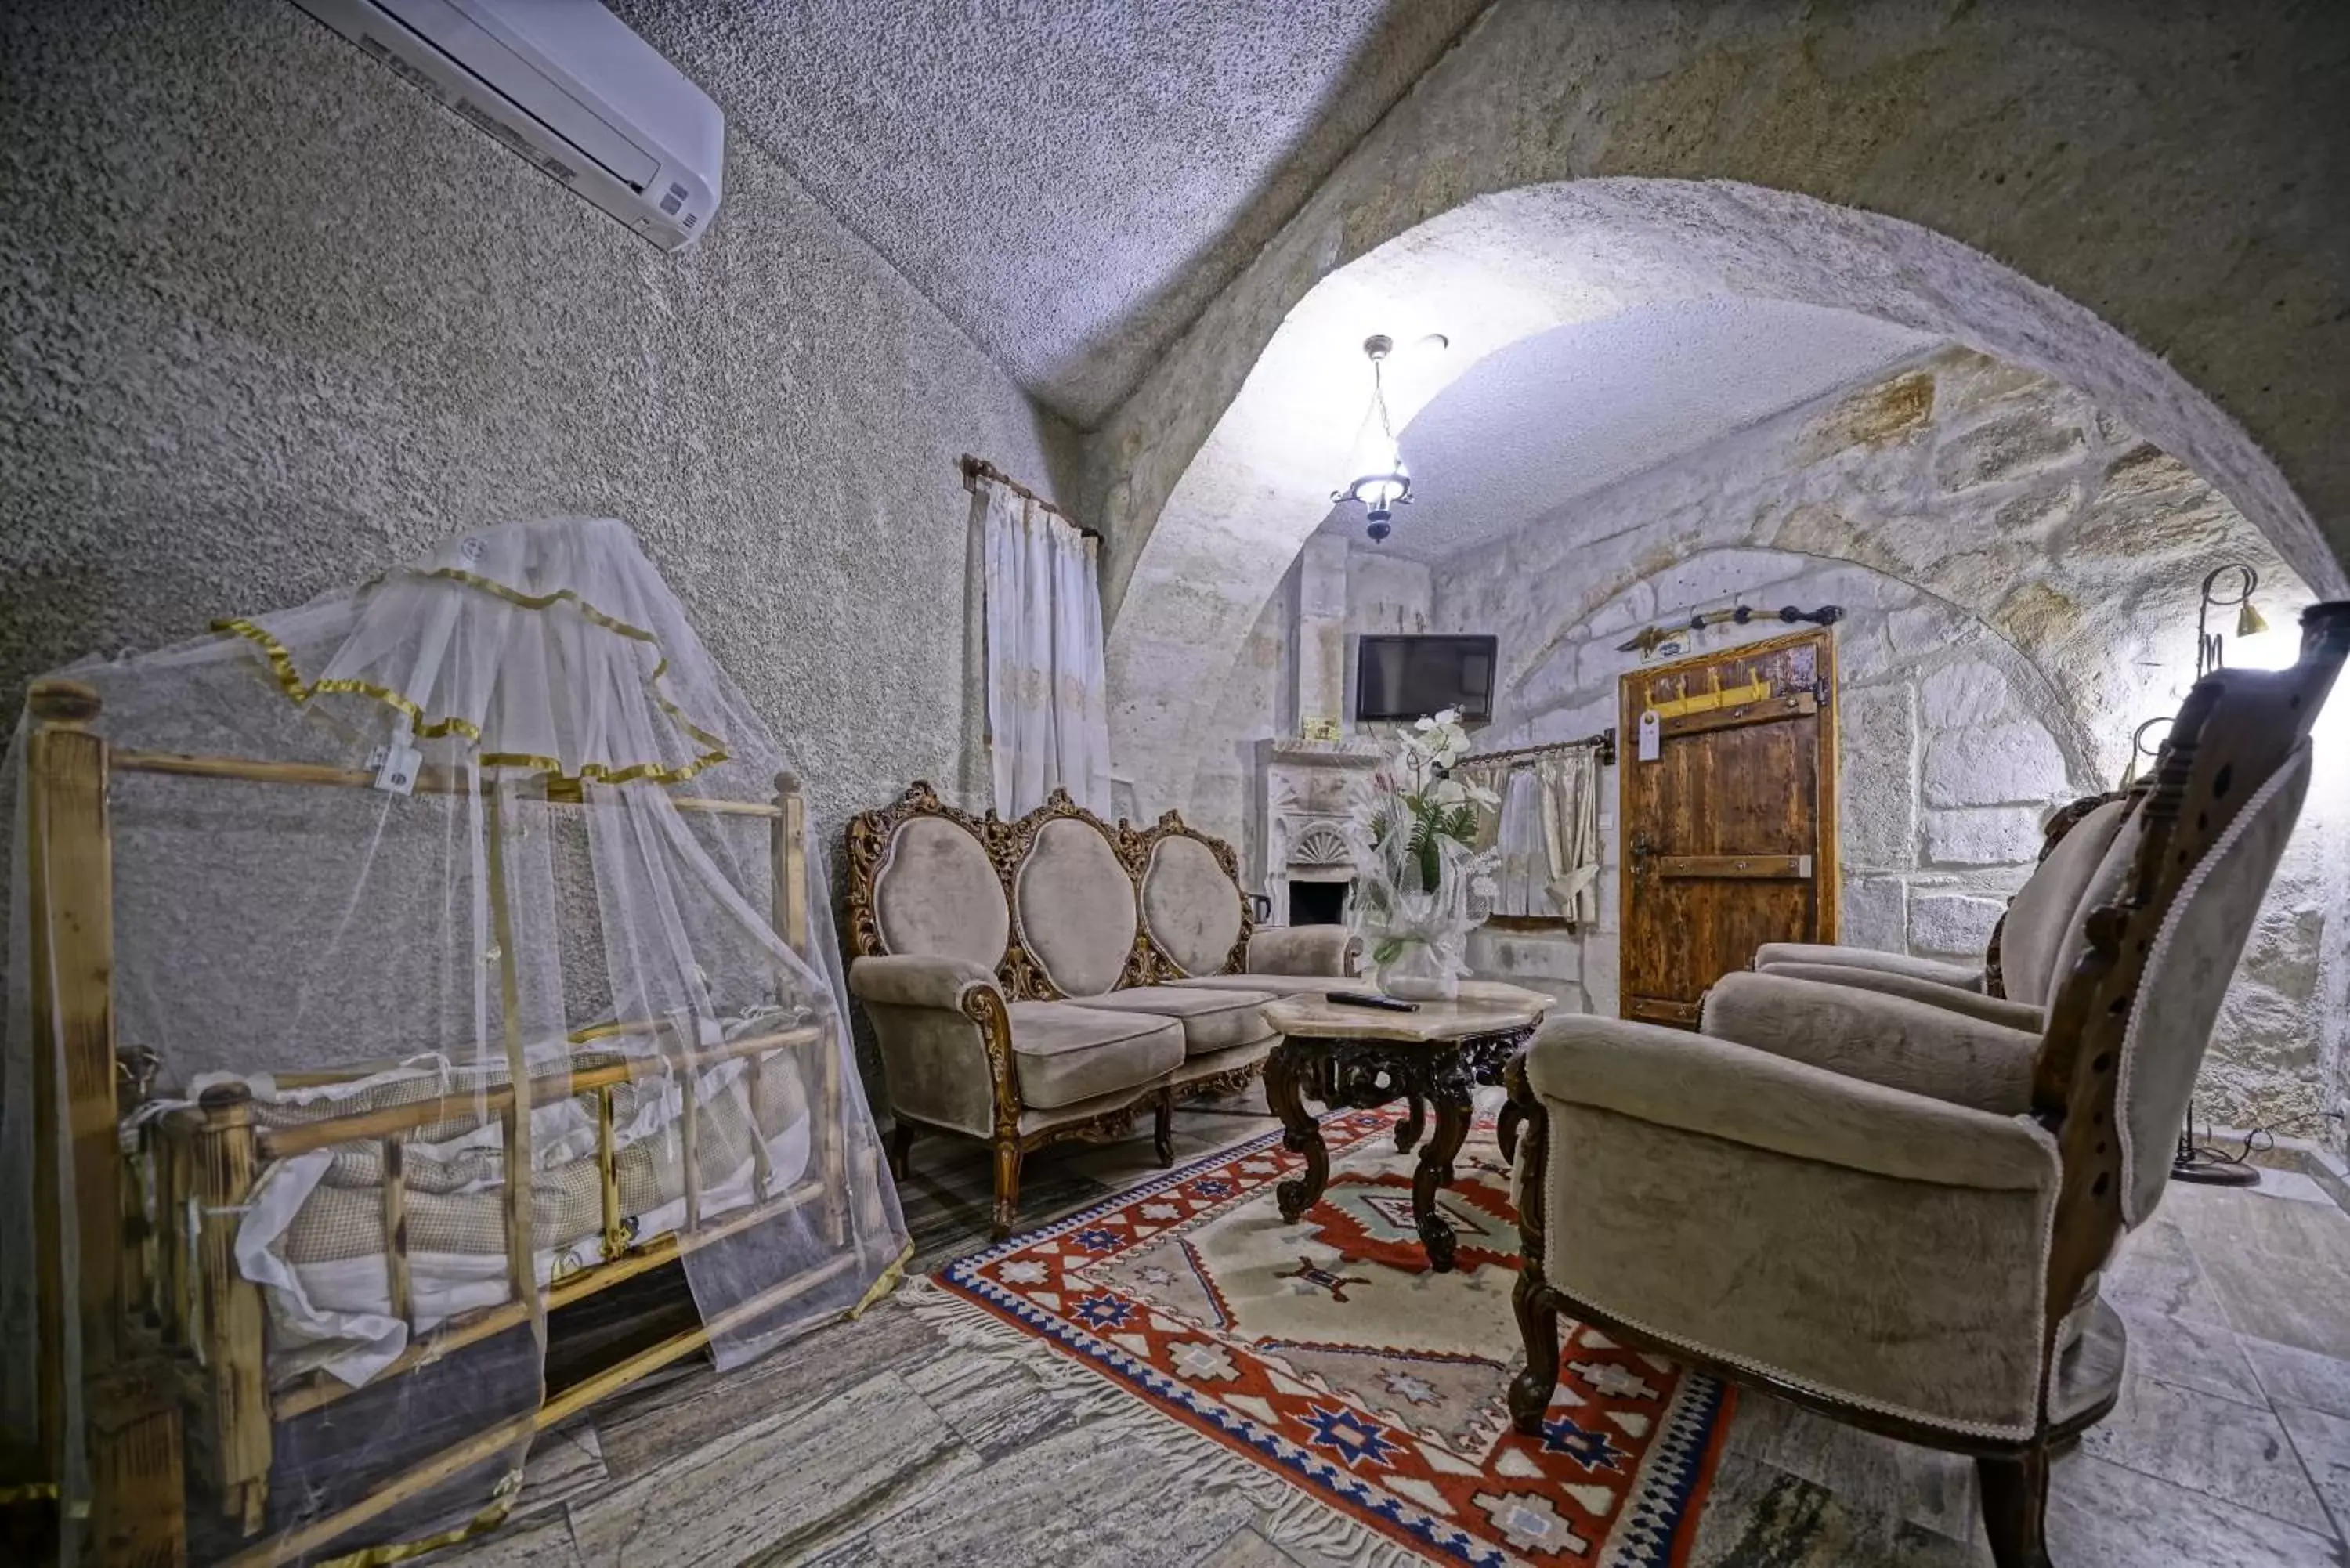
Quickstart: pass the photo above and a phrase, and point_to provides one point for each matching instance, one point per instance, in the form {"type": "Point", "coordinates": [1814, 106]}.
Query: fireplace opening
{"type": "Point", "coordinates": [1317, 903]}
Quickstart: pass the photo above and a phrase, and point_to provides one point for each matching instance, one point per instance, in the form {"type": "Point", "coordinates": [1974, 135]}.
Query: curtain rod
{"type": "Point", "coordinates": [975, 469]}
{"type": "Point", "coordinates": [1602, 739]}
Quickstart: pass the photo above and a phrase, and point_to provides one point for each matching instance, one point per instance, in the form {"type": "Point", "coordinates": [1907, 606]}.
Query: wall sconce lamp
{"type": "Point", "coordinates": [2138, 748]}
{"type": "Point", "coordinates": [1385, 484]}
{"type": "Point", "coordinates": [2209, 652]}
{"type": "Point", "coordinates": [2196, 1161]}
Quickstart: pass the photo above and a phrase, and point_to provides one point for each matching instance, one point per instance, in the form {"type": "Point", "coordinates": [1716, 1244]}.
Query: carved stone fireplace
{"type": "Point", "coordinates": [1310, 789]}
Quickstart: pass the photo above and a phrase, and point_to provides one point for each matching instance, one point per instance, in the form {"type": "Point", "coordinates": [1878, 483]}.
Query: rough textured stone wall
{"type": "Point", "coordinates": [1381, 595]}
{"type": "Point", "coordinates": [1948, 757]}
{"type": "Point", "coordinates": [2091, 150]}
{"type": "Point", "coordinates": [275, 321]}
{"type": "Point", "coordinates": [2067, 187]}
{"type": "Point", "coordinates": [2021, 574]}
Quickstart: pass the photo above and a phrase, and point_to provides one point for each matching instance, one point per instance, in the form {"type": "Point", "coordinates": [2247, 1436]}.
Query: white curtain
{"type": "Point", "coordinates": [1047, 687]}
{"type": "Point", "coordinates": [1549, 837]}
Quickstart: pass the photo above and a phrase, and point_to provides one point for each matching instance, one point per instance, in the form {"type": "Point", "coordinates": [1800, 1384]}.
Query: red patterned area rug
{"type": "Point", "coordinates": [1327, 1355]}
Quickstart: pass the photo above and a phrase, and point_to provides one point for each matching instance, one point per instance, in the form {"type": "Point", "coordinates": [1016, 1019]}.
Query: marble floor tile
{"type": "Point", "coordinates": [1245, 1548]}
{"type": "Point", "coordinates": [642, 1427]}
{"type": "Point", "coordinates": [878, 1443]}
{"type": "Point", "coordinates": [2293, 1298]}
{"type": "Point", "coordinates": [2209, 1445]}
{"type": "Point", "coordinates": [2205, 1357]}
{"type": "Point", "coordinates": [994, 1407]}
{"type": "Point", "coordinates": [2156, 1268]}
{"type": "Point", "coordinates": [1935, 1491]}
{"type": "Point", "coordinates": [2293, 1185]}
{"type": "Point", "coordinates": [540, 1539]}
{"type": "Point", "coordinates": [788, 1486]}
{"type": "Point", "coordinates": [1025, 1509]}
{"type": "Point", "coordinates": [2291, 1376]}
{"type": "Point", "coordinates": [1760, 1516]}
{"type": "Point", "coordinates": [2103, 1515]}
{"type": "Point", "coordinates": [2324, 1443]}
{"type": "Point", "coordinates": [2218, 1216]}
{"type": "Point", "coordinates": [858, 1551]}
{"type": "Point", "coordinates": [565, 1462]}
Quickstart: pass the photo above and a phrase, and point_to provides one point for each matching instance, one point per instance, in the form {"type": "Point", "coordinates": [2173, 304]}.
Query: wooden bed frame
{"type": "Point", "coordinates": [173, 1358]}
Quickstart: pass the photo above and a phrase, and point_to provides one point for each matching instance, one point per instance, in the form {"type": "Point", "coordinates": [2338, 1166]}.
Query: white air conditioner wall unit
{"type": "Point", "coordinates": [567, 85]}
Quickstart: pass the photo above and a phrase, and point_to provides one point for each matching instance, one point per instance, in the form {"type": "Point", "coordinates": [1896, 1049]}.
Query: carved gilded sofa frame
{"type": "Point", "coordinates": [1020, 974]}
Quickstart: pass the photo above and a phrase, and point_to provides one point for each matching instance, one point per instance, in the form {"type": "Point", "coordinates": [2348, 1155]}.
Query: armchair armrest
{"type": "Point", "coordinates": [917, 979]}
{"type": "Point", "coordinates": [1965, 977]}
{"type": "Point", "coordinates": [944, 1031]}
{"type": "Point", "coordinates": [1726, 1090]}
{"type": "Point", "coordinates": [1301, 949]}
{"type": "Point", "coordinates": [1891, 1041]}
{"type": "Point", "coordinates": [1973, 1003]}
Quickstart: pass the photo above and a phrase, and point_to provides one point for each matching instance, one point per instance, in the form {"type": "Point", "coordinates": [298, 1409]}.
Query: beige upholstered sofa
{"type": "Point", "coordinates": [1046, 979]}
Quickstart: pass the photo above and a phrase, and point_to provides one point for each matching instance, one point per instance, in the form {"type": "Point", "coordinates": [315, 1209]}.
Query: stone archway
{"type": "Point", "coordinates": [1188, 576]}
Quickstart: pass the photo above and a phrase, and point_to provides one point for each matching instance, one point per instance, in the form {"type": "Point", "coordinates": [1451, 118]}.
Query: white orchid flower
{"type": "Point", "coordinates": [1482, 795]}
{"type": "Point", "coordinates": [1449, 792]}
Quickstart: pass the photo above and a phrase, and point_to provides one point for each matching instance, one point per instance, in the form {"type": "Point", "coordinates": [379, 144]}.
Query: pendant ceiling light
{"type": "Point", "coordinates": [1384, 483]}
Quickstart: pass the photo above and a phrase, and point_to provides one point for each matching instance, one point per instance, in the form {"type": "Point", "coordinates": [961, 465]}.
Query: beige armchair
{"type": "Point", "coordinates": [1895, 1212]}
{"type": "Point", "coordinates": [1049, 978]}
{"type": "Point", "coordinates": [2020, 964]}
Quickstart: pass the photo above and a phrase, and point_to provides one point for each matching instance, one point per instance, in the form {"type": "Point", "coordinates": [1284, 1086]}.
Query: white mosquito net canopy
{"type": "Point", "coordinates": [500, 942]}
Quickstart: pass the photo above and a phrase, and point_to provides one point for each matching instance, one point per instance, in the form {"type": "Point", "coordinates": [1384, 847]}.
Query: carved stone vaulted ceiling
{"type": "Point", "coordinates": [1070, 181]}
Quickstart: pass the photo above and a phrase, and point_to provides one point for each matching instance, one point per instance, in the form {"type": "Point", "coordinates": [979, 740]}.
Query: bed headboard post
{"type": "Point", "coordinates": [130, 1406]}
{"type": "Point", "coordinates": [233, 1448]}
{"type": "Point", "coordinates": [828, 1157]}
{"type": "Point", "coordinates": [70, 892]}
{"type": "Point", "coordinates": [791, 913]}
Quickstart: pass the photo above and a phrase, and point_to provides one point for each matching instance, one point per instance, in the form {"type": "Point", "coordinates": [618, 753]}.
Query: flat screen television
{"type": "Point", "coordinates": [1412, 677]}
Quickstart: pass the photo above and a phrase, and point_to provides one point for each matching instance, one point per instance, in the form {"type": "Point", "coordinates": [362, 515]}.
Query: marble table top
{"type": "Point", "coordinates": [1484, 1007]}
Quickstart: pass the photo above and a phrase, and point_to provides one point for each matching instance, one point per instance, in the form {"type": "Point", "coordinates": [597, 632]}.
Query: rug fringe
{"type": "Point", "coordinates": [1288, 1516]}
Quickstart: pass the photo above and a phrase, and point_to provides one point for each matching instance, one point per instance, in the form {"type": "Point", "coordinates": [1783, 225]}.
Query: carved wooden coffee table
{"type": "Point", "coordinates": [1361, 1057]}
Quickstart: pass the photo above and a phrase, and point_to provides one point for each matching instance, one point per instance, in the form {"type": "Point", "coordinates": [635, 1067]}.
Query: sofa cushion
{"type": "Point", "coordinates": [1277, 984]}
{"type": "Point", "coordinates": [1964, 976]}
{"type": "Point", "coordinates": [937, 893]}
{"type": "Point", "coordinates": [1191, 906]}
{"type": "Point", "coordinates": [1212, 1019]}
{"type": "Point", "coordinates": [1076, 906]}
{"type": "Point", "coordinates": [1064, 1053]}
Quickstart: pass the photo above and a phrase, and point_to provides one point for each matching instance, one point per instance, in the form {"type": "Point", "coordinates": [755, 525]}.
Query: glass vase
{"type": "Point", "coordinates": [1415, 935]}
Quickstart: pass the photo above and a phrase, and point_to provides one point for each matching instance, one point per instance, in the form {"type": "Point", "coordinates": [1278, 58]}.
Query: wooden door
{"type": "Point", "coordinates": [1728, 833]}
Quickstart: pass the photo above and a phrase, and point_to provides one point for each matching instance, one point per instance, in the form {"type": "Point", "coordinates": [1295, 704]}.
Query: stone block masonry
{"type": "Point", "coordinates": [2019, 572]}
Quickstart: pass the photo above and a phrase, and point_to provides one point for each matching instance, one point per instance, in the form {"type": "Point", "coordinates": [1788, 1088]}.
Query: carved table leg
{"type": "Point", "coordinates": [1300, 1133]}
{"type": "Point", "coordinates": [1435, 1171]}
{"type": "Point", "coordinates": [1414, 1122]}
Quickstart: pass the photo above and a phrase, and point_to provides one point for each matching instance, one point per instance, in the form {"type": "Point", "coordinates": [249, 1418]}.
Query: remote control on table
{"type": "Point", "coordinates": [1373, 999]}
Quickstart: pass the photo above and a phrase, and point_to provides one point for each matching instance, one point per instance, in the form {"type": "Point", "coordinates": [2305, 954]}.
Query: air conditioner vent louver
{"type": "Point", "coordinates": [566, 85]}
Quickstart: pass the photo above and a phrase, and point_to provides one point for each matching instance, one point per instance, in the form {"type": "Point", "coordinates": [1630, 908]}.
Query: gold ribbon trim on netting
{"type": "Point", "coordinates": [289, 678]}
{"type": "Point", "coordinates": [887, 1281]}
